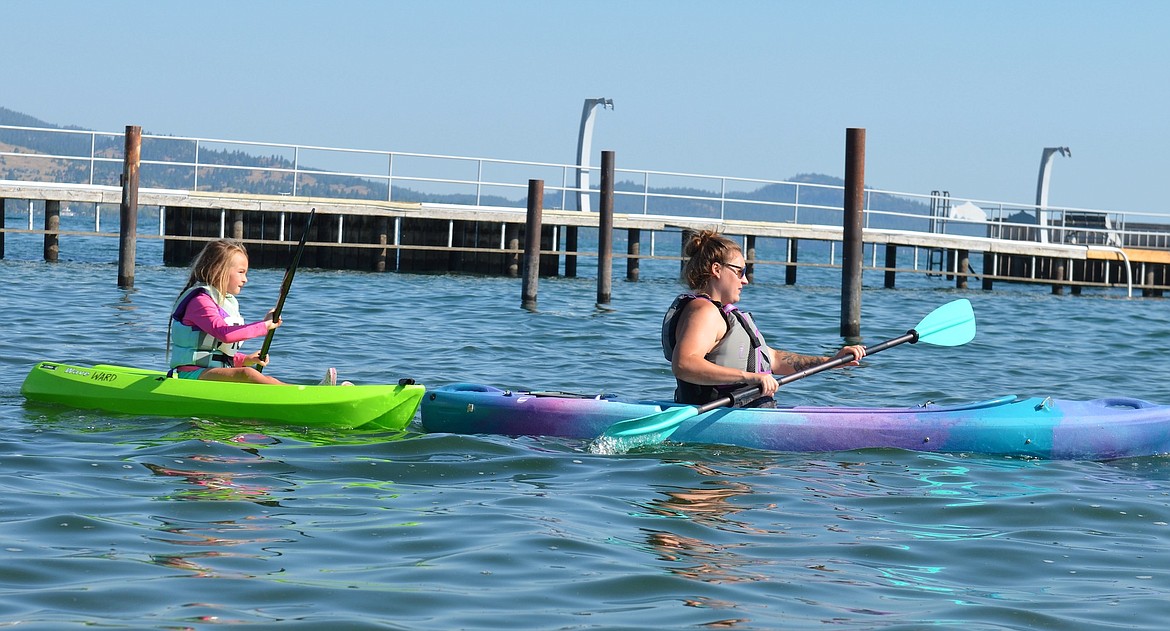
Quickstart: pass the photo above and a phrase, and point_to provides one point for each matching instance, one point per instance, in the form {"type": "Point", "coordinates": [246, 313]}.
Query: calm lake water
{"type": "Point", "coordinates": [117, 521]}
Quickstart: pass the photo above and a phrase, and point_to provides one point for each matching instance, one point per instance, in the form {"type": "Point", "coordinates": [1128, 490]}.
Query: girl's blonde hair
{"type": "Point", "coordinates": [702, 249]}
{"type": "Point", "coordinates": [213, 265]}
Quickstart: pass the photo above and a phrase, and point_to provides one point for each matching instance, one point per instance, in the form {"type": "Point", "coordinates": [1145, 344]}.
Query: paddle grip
{"type": "Point", "coordinates": [735, 398]}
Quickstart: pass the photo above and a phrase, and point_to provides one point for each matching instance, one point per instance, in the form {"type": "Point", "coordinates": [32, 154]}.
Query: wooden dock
{"type": "Point", "coordinates": [468, 214]}
{"type": "Point", "coordinates": [427, 238]}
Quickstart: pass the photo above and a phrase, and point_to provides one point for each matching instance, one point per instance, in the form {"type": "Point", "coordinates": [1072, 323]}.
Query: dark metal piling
{"type": "Point", "coordinates": [128, 211]}
{"type": "Point", "coordinates": [1151, 279]}
{"type": "Point", "coordinates": [853, 246]}
{"type": "Point", "coordinates": [605, 231]}
{"type": "Point", "coordinates": [891, 264]}
{"type": "Point", "coordinates": [570, 251]}
{"type": "Point", "coordinates": [532, 228]}
{"type": "Point", "coordinates": [793, 256]}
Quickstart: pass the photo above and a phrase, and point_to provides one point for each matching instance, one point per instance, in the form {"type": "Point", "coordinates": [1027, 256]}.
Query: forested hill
{"type": "Point", "coordinates": [235, 180]}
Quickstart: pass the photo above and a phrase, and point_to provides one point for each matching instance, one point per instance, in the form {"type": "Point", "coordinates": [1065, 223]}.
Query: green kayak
{"type": "Point", "coordinates": [151, 392]}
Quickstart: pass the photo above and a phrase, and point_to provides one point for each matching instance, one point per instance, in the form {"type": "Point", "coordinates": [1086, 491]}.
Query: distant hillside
{"type": "Point", "coordinates": [680, 201]}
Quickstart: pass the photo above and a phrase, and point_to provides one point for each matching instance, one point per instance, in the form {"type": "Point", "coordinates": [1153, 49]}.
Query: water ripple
{"type": "Point", "coordinates": [165, 523]}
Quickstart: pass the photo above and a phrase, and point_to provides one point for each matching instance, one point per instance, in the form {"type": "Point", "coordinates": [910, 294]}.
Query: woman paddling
{"type": "Point", "coordinates": [206, 327]}
{"type": "Point", "coordinates": [715, 348]}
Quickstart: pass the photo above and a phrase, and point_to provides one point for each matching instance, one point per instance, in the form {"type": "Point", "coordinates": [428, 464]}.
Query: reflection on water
{"type": "Point", "coordinates": [708, 504]}
{"type": "Point", "coordinates": [218, 546]}
{"type": "Point", "coordinates": [209, 485]}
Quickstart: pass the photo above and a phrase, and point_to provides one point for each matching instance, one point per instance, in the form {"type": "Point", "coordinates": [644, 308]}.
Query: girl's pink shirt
{"type": "Point", "coordinates": [203, 314]}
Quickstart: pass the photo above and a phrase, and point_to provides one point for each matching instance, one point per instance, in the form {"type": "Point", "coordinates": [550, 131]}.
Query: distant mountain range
{"type": "Point", "coordinates": [815, 202]}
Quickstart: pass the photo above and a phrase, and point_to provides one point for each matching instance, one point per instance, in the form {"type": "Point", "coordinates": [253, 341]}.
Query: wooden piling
{"type": "Point", "coordinates": [891, 263]}
{"type": "Point", "coordinates": [128, 211]}
{"type": "Point", "coordinates": [605, 231]}
{"type": "Point", "coordinates": [1058, 276]}
{"type": "Point", "coordinates": [512, 260]}
{"type": "Point", "coordinates": [532, 228]}
{"type": "Point", "coordinates": [52, 230]}
{"type": "Point", "coordinates": [633, 251]}
{"type": "Point", "coordinates": [236, 225]}
{"type": "Point", "coordinates": [793, 255]}
{"type": "Point", "coordinates": [962, 263]}
{"type": "Point", "coordinates": [990, 262]}
{"type": "Point", "coordinates": [384, 241]}
{"type": "Point", "coordinates": [749, 258]}
{"type": "Point", "coordinates": [853, 245]}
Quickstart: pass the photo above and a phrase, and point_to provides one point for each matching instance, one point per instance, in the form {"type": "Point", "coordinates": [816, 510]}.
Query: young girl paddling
{"type": "Point", "coordinates": [206, 328]}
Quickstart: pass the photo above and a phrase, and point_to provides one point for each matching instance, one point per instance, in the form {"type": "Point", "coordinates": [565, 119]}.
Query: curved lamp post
{"type": "Point", "coordinates": [584, 140]}
{"type": "Point", "coordinates": [1042, 188]}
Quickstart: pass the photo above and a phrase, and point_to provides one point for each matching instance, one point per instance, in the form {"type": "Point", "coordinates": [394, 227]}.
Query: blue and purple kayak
{"type": "Point", "coordinates": [1099, 429]}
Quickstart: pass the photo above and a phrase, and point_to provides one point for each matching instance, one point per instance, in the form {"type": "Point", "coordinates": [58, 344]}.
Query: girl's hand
{"type": "Point", "coordinates": [270, 322]}
{"type": "Point", "coordinates": [254, 360]}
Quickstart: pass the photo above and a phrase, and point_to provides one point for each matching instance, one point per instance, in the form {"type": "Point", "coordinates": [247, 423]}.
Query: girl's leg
{"type": "Point", "coordinates": [244, 375]}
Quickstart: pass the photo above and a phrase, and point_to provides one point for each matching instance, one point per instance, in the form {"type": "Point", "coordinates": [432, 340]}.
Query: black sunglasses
{"type": "Point", "coordinates": [740, 270]}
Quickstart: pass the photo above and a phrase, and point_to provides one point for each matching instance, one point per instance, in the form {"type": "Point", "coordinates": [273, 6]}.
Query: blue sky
{"type": "Point", "coordinates": [957, 96]}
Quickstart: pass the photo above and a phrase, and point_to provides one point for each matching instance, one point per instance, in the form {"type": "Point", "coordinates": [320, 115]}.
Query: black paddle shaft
{"type": "Point", "coordinates": [910, 336]}
{"type": "Point", "coordinates": [286, 285]}
{"type": "Point", "coordinates": [746, 394]}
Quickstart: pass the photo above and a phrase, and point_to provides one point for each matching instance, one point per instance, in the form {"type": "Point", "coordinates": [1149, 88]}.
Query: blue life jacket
{"type": "Point", "coordinates": [192, 346]}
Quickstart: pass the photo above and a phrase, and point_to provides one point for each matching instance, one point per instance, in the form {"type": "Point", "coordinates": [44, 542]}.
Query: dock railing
{"type": "Point", "coordinates": [93, 158]}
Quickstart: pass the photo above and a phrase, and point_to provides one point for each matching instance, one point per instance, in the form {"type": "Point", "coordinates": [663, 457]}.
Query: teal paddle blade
{"type": "Point", "coordinates": [652, 423]}
{"type": "Point", "coordinates": [952, 324]}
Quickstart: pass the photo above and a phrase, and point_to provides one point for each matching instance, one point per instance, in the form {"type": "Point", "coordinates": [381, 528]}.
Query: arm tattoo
{"type": "Point", "coordinates": [800, 362]}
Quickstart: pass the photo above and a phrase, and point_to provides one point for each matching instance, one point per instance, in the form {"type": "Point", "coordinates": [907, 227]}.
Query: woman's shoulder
{"type": "Point", "coordinates": [702, 307]}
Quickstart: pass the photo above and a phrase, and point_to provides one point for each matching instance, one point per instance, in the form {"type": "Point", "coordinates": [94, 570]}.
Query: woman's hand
{"type": "Point", "coordinates": [766, 381]}
{"type": "Point", "coordinates": [856, 352]}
